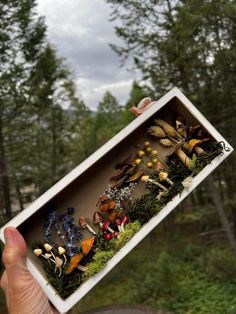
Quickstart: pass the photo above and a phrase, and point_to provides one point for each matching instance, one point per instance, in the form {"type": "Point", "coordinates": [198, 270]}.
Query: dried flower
{"type": "Point", "coordinates": [187, 182]}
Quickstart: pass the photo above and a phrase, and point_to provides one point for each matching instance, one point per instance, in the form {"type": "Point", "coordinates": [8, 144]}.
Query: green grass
{"type": "Point", "coordinates": [185, 278]}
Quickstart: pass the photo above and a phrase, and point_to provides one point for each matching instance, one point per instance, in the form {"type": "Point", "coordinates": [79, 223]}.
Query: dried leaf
{"type": "Point", "coordinates": [128, 160]}
{"type": "Point", "coordinates": [119, 183]}
{"type": "Point", "coordinates": [118, 174]}
{"type": "Point", "coordinates": [107, 206]}
{"type": "Point", "coordinates": [136, 175]}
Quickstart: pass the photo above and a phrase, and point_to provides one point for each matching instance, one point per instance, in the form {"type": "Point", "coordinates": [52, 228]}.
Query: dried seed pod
{"type": "Point", "coordinates": [166, 142]}
{"type": "Point", "coordinates": [168, 129]}
{"type": "Point", "coordinates": [157, 131]}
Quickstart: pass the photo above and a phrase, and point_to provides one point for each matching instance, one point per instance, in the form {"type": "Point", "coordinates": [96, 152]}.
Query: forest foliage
{"type": "Point", "coordinates": [46, 130]}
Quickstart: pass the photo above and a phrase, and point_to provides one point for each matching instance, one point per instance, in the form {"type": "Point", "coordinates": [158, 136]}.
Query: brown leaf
{"type": "Point", "coordinates": [119, 183]}
{"type": "Point", "coordinates": [118, 174]}
{"type": "Point", "coordinates": [128, 160]}
{"type": "Point", "coordinates": [107, 206]}
{"type": "Point", "coordinates": [136, 175]}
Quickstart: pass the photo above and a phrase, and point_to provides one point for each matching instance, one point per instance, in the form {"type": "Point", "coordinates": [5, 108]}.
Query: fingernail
{"type": "Point", "coordinates": [9, 235]}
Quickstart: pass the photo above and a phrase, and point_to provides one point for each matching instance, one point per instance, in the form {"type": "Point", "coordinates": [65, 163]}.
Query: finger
{"type": "Point", "coordinates": [14, 254]}
{"type": "Point", "coordinates": [4, 282]}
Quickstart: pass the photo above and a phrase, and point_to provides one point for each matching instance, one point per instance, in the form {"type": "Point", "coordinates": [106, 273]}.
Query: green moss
{"type": "Point", "coordinates": [130, 230]}
{"type": "Point", "coordinates": [99, 261]}
{"type": "Point", "coordinates": [144, 208]}
{"type": "Point", "coordinates": [102, 257]}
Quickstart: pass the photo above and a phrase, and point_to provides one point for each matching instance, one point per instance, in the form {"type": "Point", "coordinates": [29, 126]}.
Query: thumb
{"type": "Point", "coordinates": [14, 254]}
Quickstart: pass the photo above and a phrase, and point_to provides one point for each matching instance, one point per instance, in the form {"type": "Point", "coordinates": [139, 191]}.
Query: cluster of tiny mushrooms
{"type": "Point", "coordinates": [179, 139]}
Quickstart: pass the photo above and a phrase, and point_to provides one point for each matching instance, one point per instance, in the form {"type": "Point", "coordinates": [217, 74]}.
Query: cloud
{"type": "Point", "coordinates": [81, 32]}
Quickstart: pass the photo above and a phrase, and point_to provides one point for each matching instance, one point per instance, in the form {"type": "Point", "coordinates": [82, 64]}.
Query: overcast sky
{"type": "Point", "coordinates": [81, 32]}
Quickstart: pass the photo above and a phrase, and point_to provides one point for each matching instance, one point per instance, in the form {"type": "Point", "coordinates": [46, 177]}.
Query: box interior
{"type": "Point", "coordinates": [83, 193]}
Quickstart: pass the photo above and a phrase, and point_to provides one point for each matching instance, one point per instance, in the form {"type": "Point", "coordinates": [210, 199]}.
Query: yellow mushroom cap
{"type": "Point", "coordinates": [61, 250]}
{"type": "Point", "coordinates": [38, 252]}
{"type": "Point", "coordinates": [154, 152]}
{"type": "Point", "coordinates": [149, 165]}
{"type": "Point", "coordinates": [47, 255]}
{"type": "Point", "coordinates": [155, 160]}
{"type": "Point", "coordinates": [144, 178]}
{"type": "Point", "coordinates": [146, 143]}
{"type": "Point", "coordinates": [192, 143]}
{"type": "Point", "coordinates": [47, 247]}
{"type": "Point", "coordinates": [140, 153]}
{"type": "Point", "coordinates": [163, 175]}
{"type": "Point", "coordinates": [138, 161]}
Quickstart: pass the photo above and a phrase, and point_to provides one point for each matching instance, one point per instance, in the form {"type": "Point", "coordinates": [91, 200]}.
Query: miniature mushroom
{"type": "Point", "coordinates": [176, 149]}
{"type": "Point", "coordinates": [105, 226]}
{"type": "Point", "coordinates": [86, 245]}
{"type": "Point", "coordinates": [107, 236]}
{"type": "Point", "coordinates": [118, 224]}
{"type": "Point", "coordinates": [47, 256]}
{"type": "Point", "coordinates": [194, 145]}
{"type": "Point", "coordinates": [146, 179]}
{"type": "Point", "coordinates": [58, 265]}
{"type": "Point", "coordinates": [74, 261]}
{"type": "Point", "coordinates": [49, 248]}
{"type": "Point", "coordinates": [116, 234]}
{"type": "Point", "coordinates": [98, 219]}
{"type": "Point", "coordinates": [84, 224]}
{"type": "Point", "coordinates": [163, 176]}
{"type": "Point", "coordinates": [62, 252]}
{"type": "Point", "coordinates": [82, 268]}
{"type": "Point", "coordinates": [125, 221]}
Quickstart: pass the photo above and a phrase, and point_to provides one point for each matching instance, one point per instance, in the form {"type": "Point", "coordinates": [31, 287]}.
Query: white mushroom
{"type": "Point", "coordinates": [62, 252]}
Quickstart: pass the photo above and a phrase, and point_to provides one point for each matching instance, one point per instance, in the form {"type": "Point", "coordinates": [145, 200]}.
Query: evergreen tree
{"type": "Point", "coordinates": [35, 86]}
{"type": "Point", "coordinates": [107, 120]}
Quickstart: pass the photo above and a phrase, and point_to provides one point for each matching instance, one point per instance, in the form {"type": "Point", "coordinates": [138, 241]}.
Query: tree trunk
{"type": "Point", "coordinates": [214, 193]}
{"type": "Point", "coordinates": [4, 177]}
{"type": "Point", "coordinates": [19, 196]}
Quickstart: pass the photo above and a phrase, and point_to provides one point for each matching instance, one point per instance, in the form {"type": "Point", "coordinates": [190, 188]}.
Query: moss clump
{"type": "Point", "coordinates": [125, 236]}
{"type": "Point", "coordinates": [99, 261]}
{"type": "Point", "coordinates": [102, 257]}
{"type": "Point", "coordinates": [144, 208]}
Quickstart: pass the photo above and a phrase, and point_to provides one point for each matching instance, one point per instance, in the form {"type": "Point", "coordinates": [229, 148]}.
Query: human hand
{"type": "Point", "coordinates": [23, 293]}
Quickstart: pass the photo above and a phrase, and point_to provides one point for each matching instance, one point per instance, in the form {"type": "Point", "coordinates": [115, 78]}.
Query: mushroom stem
{"type": "Point", "coordinates": [84, 224]}
{"type": "Point", "coordinates": [90, 229]}
{"type": "Point", "coordinates": [48, 258]}
{"type": "Point", "coordinates": [158, 184]}
{"type": "Point", "coordinates": [163, 176]}
{"type": "Point", "coordinates": [199, 150]}
{"type": "Point", "coordinates": [82, 268]}
{"type": "Point", "coordinates": [147, 179]}
{"type": "Point", "coordinates": [183, 157]}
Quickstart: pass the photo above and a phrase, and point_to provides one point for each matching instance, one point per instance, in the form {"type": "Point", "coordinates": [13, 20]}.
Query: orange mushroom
{"type": "Point", "coordinates": [86, 246]}
{"type": "Point", "coordinates": [194, 145]}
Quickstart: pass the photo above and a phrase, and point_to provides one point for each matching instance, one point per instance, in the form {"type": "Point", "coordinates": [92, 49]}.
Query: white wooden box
{"type": "Point", "coordinates": [74, 190]}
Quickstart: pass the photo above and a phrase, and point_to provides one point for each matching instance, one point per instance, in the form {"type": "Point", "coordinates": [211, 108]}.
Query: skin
{"type": "Point", "coordinates": [23, 293]}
